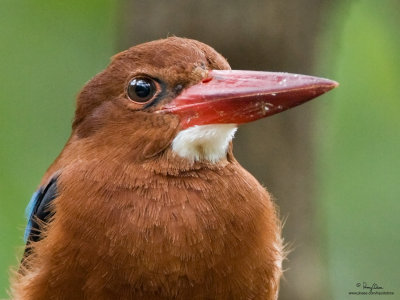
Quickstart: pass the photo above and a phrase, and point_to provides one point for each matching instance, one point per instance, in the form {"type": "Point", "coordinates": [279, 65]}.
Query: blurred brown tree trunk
{"type": "Point", "coordinates": [274, 35]}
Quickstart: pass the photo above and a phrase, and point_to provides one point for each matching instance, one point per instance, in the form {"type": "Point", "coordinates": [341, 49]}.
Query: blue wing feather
{"type": "Point", "coordinates": [29, 210]}
{"type": "Point", "coordinates": [39, 210]}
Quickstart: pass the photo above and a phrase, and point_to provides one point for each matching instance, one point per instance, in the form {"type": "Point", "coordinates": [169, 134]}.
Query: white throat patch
{"type": "Point", "coordinates": [204, 142]}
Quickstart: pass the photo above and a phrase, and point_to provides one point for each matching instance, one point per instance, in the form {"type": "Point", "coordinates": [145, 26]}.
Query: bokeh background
{"type": "Point", "coordinates": [332, 164]}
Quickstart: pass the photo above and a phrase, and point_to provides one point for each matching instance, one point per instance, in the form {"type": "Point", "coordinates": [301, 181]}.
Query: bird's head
{"type": "Point", "coordinates": [180, 94]}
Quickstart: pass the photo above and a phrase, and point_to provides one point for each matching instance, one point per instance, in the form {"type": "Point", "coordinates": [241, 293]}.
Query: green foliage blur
{"type": "Point", "coordinates": [358, 141]}
{"type": "Point", "coordinates": [50, 49]}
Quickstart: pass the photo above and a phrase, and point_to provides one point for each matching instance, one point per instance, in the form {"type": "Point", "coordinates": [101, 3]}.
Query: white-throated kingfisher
{"type": "Point", "coordinates": [146, 200]}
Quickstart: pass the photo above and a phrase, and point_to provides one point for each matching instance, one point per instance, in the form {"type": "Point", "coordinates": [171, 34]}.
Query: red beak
{"type": "Point", "coordinates": [244, 96]}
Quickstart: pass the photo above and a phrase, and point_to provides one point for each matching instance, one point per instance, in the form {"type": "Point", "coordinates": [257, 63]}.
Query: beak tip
{"type": "Point", "coordinates": [335, 84]}
{"type": "Point", "coordinates": [325, 85]}
{"type": "Point", "coordinates": [331, 84]}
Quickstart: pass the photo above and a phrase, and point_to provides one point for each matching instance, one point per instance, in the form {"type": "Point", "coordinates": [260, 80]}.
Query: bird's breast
{"type": "Point", "coordinates": [200, 225]}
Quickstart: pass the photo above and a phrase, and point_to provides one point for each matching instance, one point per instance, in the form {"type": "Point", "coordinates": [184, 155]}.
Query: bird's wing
{"type": "Point", "coordinates": [38, 211]}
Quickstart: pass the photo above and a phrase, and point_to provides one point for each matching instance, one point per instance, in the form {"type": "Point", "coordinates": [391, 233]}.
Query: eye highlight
{"type": "Point", "coordinates": [141, 89]}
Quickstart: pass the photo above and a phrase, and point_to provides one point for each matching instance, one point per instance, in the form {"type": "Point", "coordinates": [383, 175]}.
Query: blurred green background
{"type": "Point", "coordinates": [358, 141]}
{"type": "Point", "coordinates": [49, 49]}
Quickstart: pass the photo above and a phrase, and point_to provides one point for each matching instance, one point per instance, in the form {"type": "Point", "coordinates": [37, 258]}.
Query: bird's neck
{"type": "Point", "coordinates": [105, 164]}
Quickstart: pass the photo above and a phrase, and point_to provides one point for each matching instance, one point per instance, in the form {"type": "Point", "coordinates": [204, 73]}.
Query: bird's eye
{"type": "Point", "coordinates": [141, 90]}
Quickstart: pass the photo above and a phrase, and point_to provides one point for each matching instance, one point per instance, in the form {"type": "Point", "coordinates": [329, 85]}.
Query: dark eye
{"type": "Point", "coordinates": [141, 89]}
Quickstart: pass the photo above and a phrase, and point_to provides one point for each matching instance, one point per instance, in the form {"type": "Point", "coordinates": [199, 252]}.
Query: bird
{"type": "Point", "coordinates": [146, 200]}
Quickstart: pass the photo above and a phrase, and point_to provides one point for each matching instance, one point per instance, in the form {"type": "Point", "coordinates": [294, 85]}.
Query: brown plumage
{"type": "Point", "coordinates": [133, 219]}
